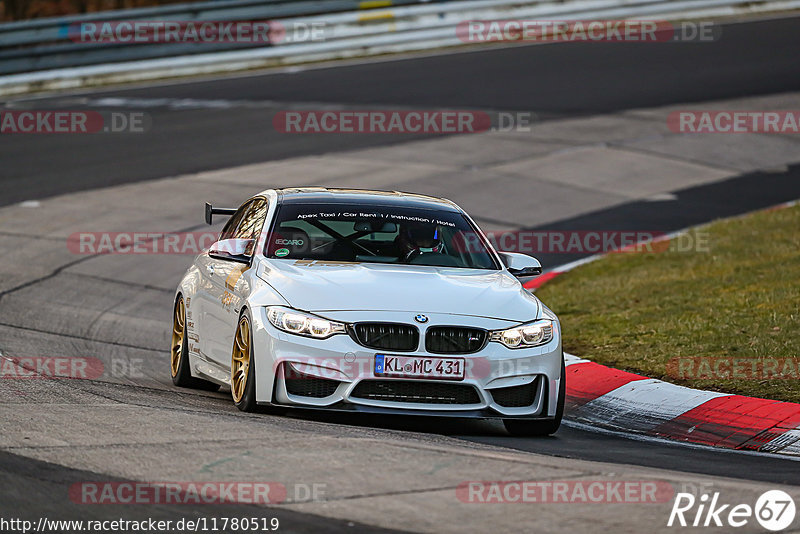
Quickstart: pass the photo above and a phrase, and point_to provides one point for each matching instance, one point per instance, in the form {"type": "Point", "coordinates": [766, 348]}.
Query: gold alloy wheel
{"type": "Point", "coordinates": [240, 361]}
{"type": "Point", "coordinates": [178, 334]}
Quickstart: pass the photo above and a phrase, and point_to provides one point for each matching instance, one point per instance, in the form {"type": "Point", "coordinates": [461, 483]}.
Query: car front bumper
{"type": "Point", "coordinates": [499, 382]}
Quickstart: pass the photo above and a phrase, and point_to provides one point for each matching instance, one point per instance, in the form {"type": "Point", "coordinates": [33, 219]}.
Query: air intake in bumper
{"type": "Point", "coordinates": [516, 396]}
{"type": "Point", "coordinates": [416, 392]}
{"type": "Point", "coordinates": [303, 385]}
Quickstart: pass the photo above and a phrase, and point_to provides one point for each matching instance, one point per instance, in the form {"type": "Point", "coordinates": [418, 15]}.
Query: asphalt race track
{"type": "Point", "coordinates": [552, 81]}
{"type": "Point", "coordinates": [379, 474]}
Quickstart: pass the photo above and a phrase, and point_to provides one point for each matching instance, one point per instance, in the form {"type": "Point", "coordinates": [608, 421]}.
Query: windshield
{"type": "Point", "coordinates": [377, 234]}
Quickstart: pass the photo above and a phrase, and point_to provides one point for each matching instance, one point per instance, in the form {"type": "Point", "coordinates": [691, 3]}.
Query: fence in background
{"type": "Point", "coordinates": [43, 54]}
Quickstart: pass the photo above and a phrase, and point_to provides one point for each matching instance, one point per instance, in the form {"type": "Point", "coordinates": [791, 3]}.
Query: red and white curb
{"type": "Point", "coordinates": [617, 400]}
{"type": "Point", "coordinates": [608, 398]}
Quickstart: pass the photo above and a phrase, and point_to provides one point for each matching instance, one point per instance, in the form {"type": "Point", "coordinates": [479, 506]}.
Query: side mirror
{"type": "Point", "coordinates": [521, 265]}
{"type": "Point", "coordinates": [238, 250]}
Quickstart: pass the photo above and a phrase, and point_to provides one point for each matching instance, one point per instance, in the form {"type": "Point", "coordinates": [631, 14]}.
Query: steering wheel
{"type": "Point", "coordinates": [412, 255]}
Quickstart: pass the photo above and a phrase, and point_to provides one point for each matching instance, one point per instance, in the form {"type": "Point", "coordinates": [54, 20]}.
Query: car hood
{"type": "Point", "coordinates": [320, 287]}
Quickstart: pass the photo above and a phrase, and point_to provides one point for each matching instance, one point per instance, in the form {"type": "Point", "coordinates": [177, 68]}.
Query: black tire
{"type": "Point", "coordinates": [521, 427]}
{"type": "Point", "coordinates": [247, 403]}
{"type": "Point", "coordinates": [182, 377]}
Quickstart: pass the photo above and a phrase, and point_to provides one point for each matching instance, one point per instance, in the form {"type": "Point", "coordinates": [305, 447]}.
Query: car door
{"type": "Point", "coordinates": [203, 300]}
{"type": "Point", "coordinates": [227, 287]}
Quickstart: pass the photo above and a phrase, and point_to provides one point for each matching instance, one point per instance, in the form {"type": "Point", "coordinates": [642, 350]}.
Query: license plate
{"type": "Point", "coordinates": [419, 367]}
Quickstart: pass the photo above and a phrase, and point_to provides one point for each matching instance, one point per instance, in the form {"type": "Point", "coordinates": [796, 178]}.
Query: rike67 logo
{"type": "Point", "coordinates": [774, 510]}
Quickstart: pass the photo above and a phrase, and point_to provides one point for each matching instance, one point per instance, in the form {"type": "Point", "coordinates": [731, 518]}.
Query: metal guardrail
{"type": "Point", "coordinates": [354, 28]}
{"type": "Point", "coordinates": [41, 44]}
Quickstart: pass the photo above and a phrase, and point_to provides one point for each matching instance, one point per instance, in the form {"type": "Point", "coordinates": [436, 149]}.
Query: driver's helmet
{"type": "Point", "coordinates": [423, 236]}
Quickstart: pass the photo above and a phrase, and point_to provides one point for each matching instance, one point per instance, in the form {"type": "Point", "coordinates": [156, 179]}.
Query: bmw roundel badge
{"type": "Point", "coordinates": [421, 318]}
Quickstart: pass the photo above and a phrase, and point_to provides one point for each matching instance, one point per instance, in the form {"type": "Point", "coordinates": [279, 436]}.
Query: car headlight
{"type": "Point", "coordinates": [303, 324]}
{"type": "Point", "coordinates": [526, 335]}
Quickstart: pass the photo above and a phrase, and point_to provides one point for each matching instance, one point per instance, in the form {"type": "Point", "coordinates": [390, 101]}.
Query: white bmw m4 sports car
{"type": "Point", "coordinates": [367, 301]}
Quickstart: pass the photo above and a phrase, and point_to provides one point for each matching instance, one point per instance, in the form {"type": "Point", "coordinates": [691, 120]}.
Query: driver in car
{"type": "Point", "coordinates": [415, 240]}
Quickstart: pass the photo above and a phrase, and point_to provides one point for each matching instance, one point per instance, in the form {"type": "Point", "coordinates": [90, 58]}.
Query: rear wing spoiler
{"type": "Point", "coordinates": [211, 211]}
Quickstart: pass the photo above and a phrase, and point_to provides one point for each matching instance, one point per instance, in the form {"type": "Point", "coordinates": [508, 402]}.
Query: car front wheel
{"type": "Point", "coordinates": [243, 376]}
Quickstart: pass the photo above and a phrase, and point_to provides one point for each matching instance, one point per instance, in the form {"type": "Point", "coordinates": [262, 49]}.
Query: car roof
{"type": "Point", "coordinates": [323, 195]}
